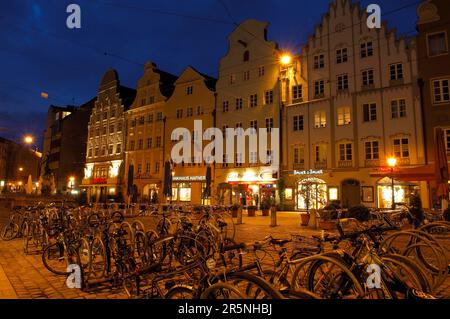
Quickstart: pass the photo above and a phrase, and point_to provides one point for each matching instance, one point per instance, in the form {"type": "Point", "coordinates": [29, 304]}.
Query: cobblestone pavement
{"type": "Point", "coordinates": [24, 276]}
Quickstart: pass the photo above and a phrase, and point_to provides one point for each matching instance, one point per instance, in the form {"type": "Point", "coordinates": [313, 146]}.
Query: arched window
{"type": "Point", "coordinates": [246, 56]}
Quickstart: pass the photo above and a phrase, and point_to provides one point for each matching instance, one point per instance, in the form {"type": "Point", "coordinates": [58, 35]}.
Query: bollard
{"type": "Point", "coordinates": [239, 216]}
{"type": "Point", "coordinates": [273, 217]}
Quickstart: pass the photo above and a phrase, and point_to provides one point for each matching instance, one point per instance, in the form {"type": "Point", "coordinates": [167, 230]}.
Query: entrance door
{"type": "Point", "coordinates": [351, 193]}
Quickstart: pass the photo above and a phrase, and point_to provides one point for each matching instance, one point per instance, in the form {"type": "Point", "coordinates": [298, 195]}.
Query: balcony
{"type": "Point", "coordinates": [345, 164]}
{"type": "Point", "coordinates": [396, 82]}
{"type": "Point", "coordinates": [367, 87]}
{"type": "Point", "coordinates": [319, 96]}
{"type": "Point", "coordinates": [320, 165]}
{"type": "Point", "coordinates": [403, 161]}
{"type": "Point", "coordinates": [372, 163]}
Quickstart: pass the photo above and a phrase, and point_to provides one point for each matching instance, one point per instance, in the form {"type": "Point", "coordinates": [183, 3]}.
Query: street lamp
{"type": "Point", "coordinates": [20, 169]}
{"type": "Point", "coordinates": [28, 139]}
{"type": "Point", "coordinates": [392, 162]}
{"type": "Point", "coordinates": [71, 183]}
{"type": "Point", "coordinates": [286, 59]}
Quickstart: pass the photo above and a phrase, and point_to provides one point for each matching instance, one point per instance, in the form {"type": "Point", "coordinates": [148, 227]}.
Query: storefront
{"type": "Point", "coordinates": [251, 187]}
{"type": "Point", "coordinates": [189, 189]}
{"type": "Point", "coordinates": [402, 192]}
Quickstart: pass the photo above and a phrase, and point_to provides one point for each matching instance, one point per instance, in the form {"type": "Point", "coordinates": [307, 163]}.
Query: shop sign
{"type": "Point", "coordinates": [309, 172]}
{"type": "Point", "coordinates": [99, 180]}
{"type": "Point", "coordinates": [189, 178]}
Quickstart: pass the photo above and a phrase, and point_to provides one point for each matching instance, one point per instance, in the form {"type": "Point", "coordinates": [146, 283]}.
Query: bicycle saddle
{"type": "Point", "coordinates": [279, 242]}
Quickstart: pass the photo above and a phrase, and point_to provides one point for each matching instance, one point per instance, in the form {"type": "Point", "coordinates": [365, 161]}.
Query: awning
{"type": "Point", "coordinates": [416, 174]}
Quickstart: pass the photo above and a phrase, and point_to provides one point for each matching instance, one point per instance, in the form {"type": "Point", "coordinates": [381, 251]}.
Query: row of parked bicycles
{"type": "Point", "coordinates": [173, 252]}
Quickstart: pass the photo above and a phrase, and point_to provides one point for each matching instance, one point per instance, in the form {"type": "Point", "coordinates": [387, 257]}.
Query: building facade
{"type": "Point", "coordinates": [351, 103]}
{"type": "Point", "coordinates": [17, 163]}
{"type": "Point", "coordinates": [192, 100]}
{"type": "Point", "coordinates": [146, 133]}
{"type": "Point", "coordinates": [65, 139]}
{"type": "Point", "coordinates": [433, 28]}
{"type": "Point", "coordinates": [248, 96]}
{"type": "Point", "coordinates": [104, 169]}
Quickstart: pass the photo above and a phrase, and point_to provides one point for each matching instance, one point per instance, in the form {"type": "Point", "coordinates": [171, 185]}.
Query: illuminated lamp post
{"type": "Point", "coordinates": [392, 162]}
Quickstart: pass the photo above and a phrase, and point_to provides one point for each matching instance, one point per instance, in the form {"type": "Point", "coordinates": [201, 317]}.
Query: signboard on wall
{"type": "Point", "coordinates": [189, 178]}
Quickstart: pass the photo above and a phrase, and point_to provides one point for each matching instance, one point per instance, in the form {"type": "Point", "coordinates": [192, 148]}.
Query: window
{"type": "Point", "coordinates": [104, 130]}
{"type": "Point", "coordinates": [253, 100]}
{"type": "Point", "coordinates": [246, 56]}
{"type": "Point", "coordinates": [398, 108]}
{"type": "Point", "coordinates": [139, 169]}
{"type": "Point", "coordinates": [268, 97]}
{"type": "Point", "coordinates": [367, 77]}
{"type": "Point", "coordinates": [299, 155]}
{"type": "Point", "coordinates": [159, 117]}
{"type": "Point", "coordinates": [441, 91]}
{"type": "Point", "coordinates": [342, 82]}
{"type": "Point", "coordinates": [157, 167]}
{"type": "Point", "coordinates": [103, 150]}
{"type": "Point", "coordinates": [105, 115]}
{"type": "Point", "coordinates": [370, 112]}
{"type": "Point", "coordinates": [396, 71]}
{"type": "Point", "coordinates": [239, 159]}
{"type": "Point", "coordinates": [298, 123]}
{"type": "Point", "coordinates": [319, 88]}
{"type": "Point", "coordinates": [239, 125]}
{"type": "Point", "coordinates": [239, 104]}
{"type": "Point", "coordinates": [320, 154]}
{"type": "Point", "coordinates": [118, 148]}
{"type": "Point", "coordinates": [345, 152]}
{"type": "Point", "coordinates": [246, 75]}
{"type": "Point", "coordinates": [158, 141]}
{"type": "Point", "coordinates": [401, 148]}
{"type": "Point", "coordinates": [143, 102]}
{"type": "Point", "coordinates": [189, 90]}
{"type": "Point", "coordinates": [132, 146]}
{"type": "Point", "coordinates": [343, 115]}
{"type": "Point", "coordinates": [269, 124]}
{"type": "Point", "coordinates": [140, 144]}
{"type": "Point", "coordinates": [199, 110]}
{"type": "Point", "coordinates": [225, 105]}
{"type": "Point", "coordinates": [189, 112]}
{"type": "Point", "coordinates": [113, 113]}
{"type": "Point", "coordinates": [141, 120]}
{"type": "Point", "coordinates": [253, 157]}
{"type": "Point", "coordinates": [232, 78]}
{"type": "Point", "coordinates": [254, 124]}
{"type": "Point", "coordinates": [151, 100]}
{"type": "Point", "coordinates": [297, 92]}
{"type": "Point", "coordinates": [437, 44]}
{"type": "Point", "coordinates": [150, 118]}
{"type": "Point", "coordinates": [341, 56]}
{"type": "Point", "coordinates": [111, 150]}
{"type": "Point", "coordinates": [447, 140]}
{"type": "Point", "coordinates": [119, 127]}
{"type": "Point", "coordinates": [149, 142]}
{"type": "Point", "coordinates": [96, 152]}
{"type": "Point", "coordinates": [147, 168]}
{"type": "Point", "coordinates": [261, 71]}
{"type": "Point", "coordinates": [372, 150]}
{"type": "Point", "coordinates": [97, 118]}
{"type": "Point", "coordinates": [366, 49]}
{"type": "Point", "coordinates": [179, 113]}
{"type": "Point", "coordinates": [90, 152]}
{"type": "Point", "coordinates": [320, 119]}
{"type": "Point", "coordinates": [224, 130]}
{"type": "Point", "coordinates": [111, 129]}
{"type": "Point", "coordinates": [319, 61]}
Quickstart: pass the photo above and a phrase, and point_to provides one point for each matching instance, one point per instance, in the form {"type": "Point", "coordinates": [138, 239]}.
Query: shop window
{"type": "Point", "coordinates": [288, 192]}
{"type": "Point", "coordinates": [333, 193]}
{"type": "Point", "coordinates": [185, 192]}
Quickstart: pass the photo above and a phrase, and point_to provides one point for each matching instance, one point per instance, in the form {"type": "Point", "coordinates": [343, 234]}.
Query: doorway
{"type": "Point", "coordinates": [351, 193]}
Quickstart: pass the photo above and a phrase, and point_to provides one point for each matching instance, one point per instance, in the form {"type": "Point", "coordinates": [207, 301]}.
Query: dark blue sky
{"type": "Point", "coordinates": [39, 53]}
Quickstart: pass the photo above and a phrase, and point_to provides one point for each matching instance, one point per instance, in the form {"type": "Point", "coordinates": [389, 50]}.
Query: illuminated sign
{"type": "Point", "coordinates": [309, 172]}
{"type": "Point", "coordinates": [99, 180]}
{"type": "Point", "coordinates": [189, 178]}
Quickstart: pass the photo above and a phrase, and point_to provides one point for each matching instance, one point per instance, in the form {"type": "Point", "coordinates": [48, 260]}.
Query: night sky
{"type": "Point", "coordinates": [39, 53]}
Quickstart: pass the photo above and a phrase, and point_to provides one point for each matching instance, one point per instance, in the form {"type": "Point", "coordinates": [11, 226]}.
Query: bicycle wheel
{"type": "Point", "coordinates": [9, 231]}
{"type": "Point", "coordinates": [57, 258]}
{"type": "Point", "coordinates": [140, 247]}
{"type": "Point", "coordinates": [326, 276]}
{"type": "Point", "coordinates": [223, 290]}
{"type": "Point", "coordinates": [97, 259]}
{"type": "Point", "coordinates": [180, 292]}
{"type": "Point", "coordinates": [253, 286]}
